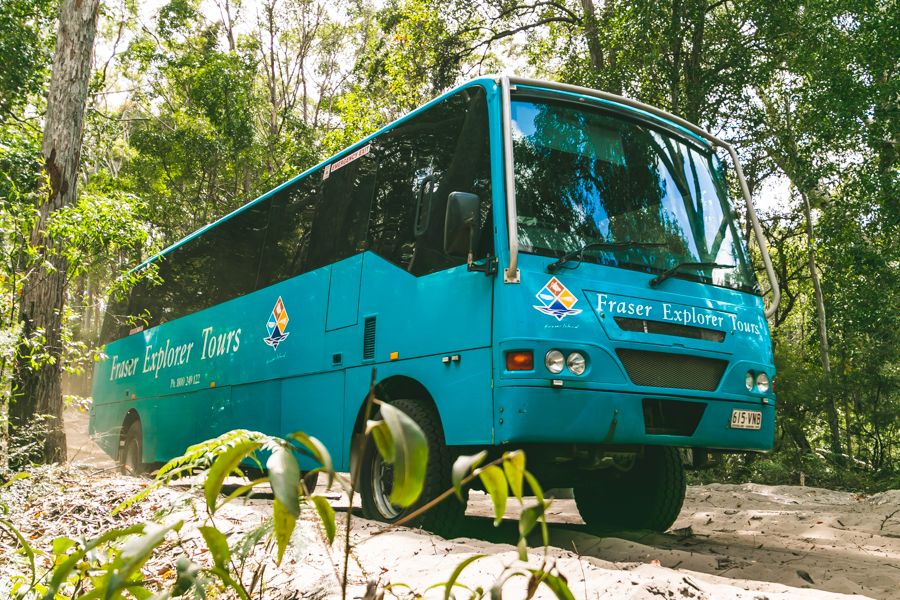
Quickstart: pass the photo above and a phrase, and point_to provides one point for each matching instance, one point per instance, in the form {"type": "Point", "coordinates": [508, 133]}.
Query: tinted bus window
{"type": "Point", "coordinates": [218, 265]}
{"type": "Point", "coordinates": [391, 200]}
{"type": "Point", "coordinates": [116, 320]}
{"type": "Point", "coordinates": [442, 150]}
{"type": "Point", "coordinates": [290, 228]}
{"type": "Point", "coordinates": [339, 229]}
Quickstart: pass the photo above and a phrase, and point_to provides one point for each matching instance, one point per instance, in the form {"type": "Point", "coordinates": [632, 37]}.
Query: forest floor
{"type": "Point", "coordinates": [731, 541]}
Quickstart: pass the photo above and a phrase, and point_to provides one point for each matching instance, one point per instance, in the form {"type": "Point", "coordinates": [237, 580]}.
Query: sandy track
{"type": "Point", "coordinates": [730, 541]}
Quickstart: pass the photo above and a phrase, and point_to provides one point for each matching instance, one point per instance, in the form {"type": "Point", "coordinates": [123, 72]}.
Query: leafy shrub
{"type": "Point", "coordinates": [109, 565]}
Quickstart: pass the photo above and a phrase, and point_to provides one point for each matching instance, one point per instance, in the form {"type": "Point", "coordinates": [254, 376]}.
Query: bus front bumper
{"type": "Point", "coordinates": [525, 414]}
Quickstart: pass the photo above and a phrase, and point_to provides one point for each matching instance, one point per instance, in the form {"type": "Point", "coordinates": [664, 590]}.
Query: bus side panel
{"type": "Point", "coordinates": [343, 294]}
{"type": "Point", "coordinates": [461, 390]}
{"type": "Point", "coordinates": [172, 423]}
{"type": "Point", "coordinates": [441, 313]}
{"type": "Point", "coordinates": [255, 406]}
{"type": "Point", "coordinates": [419, 321]}
{"type": "Point", "coordinates": [314, 405]}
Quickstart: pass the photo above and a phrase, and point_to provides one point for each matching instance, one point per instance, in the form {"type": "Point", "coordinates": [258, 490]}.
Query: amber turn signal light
{"type": "Point", "coordinates": [520, 360]}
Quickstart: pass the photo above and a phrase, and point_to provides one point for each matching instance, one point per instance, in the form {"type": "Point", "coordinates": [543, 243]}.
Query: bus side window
{"type": "Point", "coordinates": [342, 216]}
{"type": "Point", "coordinates": [116, 322]}
{"type": "Point", "coordinates": [290, 225]}
{"type": "Point", "coordinates": [444, 149]}
{"type": "Point", "coordinates": [391, 224]}
{"type": "Point", "coordinates": [204, 271]}
{"type": "Point", "coordinates": [461, 157]}
{"type": "Point", "coordinates": [236, 249]}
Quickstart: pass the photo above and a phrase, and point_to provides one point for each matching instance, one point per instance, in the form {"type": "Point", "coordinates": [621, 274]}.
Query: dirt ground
{"type": "Point", "coordinates": [730, 541]}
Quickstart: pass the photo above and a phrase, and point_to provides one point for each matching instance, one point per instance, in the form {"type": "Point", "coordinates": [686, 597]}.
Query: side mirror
{"type": "Point", "coordinates": [461, 223]}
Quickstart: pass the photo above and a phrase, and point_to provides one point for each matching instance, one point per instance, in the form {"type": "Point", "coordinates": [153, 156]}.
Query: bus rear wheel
{"type": "Point", "coordinates": [131, 454]}
{"type": "Point", "coordinates": [647, 496]}
{"type": "Point", "coordinates": [376, 479]}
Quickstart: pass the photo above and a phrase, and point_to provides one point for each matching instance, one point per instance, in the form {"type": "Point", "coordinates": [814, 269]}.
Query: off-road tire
{"type": "Point", "coordinates": [131, 454]}
{"type": "Point", "coordinates": [445, 518]}
{"type": "Point", "coordinates": [648, 496]}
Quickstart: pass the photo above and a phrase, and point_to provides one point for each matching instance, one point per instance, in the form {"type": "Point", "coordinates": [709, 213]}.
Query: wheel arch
{"type": "Point", "coordinates": [131, 417]}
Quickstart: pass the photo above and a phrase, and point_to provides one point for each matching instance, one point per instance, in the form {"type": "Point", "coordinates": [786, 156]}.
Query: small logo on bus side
{"type": "Point", "coordinates": [276, 325]}
{"type": "Point", "coordinates": [556, 300]}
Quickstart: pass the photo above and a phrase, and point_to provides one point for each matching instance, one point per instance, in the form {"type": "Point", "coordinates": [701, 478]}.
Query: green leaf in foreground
{"type": "Point", "coordinates": [448, 587]}
{"type": "Point", "coordinates": [135, 553]}
{"type": "Point", "coordinates": [218, 546]}
{"type": "Point", "coordinates": [187, 573]}
{"type": "Point", "coordinates": [284, 476]}
{"type": "Point", "coordinates": [462, 467]}
{"type": "Point", "coordinates": [522, 548]}
{"type": "Point", "coordinates": [410, 456]}
{"type": "Point", "coordinates": [61, 572]}
{"type": "Point", "coordinates": [557, 583]}
{"type": "Point", "coordinates": [529, 518]}
{"type": "Point", "coordinates": [284, 522]}
{"type": "Point", "coordinates": [225, 464]}
{"type": "Point", "coordinates": [514, 467]}
{"type": "Point", "coordinates": [384, 442]}
{"type": "Point", "coordinates": [326, 514]}
{"type": "Point", "coordinates": [318, 451]}
{"type": "Point", "coordinates": [14, 479]}
{"type": "Point", "coordinates": [495, 485]}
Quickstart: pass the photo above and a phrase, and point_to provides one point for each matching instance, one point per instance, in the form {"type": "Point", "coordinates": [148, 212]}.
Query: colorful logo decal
{"type": "Point", "coordinates": [556, 300]}
{"type": "Point", "coordinates": [276, 325]}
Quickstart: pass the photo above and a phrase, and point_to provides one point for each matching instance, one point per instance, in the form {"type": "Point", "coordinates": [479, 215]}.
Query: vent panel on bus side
{"type": "Point", "coordinates": [369, 338]}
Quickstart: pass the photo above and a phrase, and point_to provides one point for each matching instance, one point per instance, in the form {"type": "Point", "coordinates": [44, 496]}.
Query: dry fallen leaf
{"type": "Point", "coordinates": [805, 576]}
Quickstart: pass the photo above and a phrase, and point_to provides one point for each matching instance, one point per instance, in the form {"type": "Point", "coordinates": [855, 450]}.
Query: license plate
{"type": "Point", "coordinates": [746, 419]}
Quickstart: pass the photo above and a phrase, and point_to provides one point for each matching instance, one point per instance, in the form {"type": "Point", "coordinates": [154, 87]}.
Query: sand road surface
{"type": "Point", "coordinates": [731, 541]}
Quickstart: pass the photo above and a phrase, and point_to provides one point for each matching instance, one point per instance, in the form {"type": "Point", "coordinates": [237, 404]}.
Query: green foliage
{"type": "Point", "coordinates": [401, 443]}
{"type": "Point", "coordinates": [109, 565]}
{"type": "Point", "coordinates": [494, 481]}
{"type": "Point", "coordinates": [26, 42]}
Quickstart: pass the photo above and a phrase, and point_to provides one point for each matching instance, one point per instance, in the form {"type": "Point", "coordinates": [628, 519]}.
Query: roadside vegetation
{"type": "Point", "coordinates": [112, 562]}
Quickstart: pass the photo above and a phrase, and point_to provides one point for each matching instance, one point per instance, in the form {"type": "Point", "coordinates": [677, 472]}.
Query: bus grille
{"type": "Point", "coordinates": [661, 369]}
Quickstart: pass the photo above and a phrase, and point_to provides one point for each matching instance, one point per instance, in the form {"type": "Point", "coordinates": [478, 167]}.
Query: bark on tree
{"type": "Point", "coordinates": [595, 49]}
{"type": "Point", "coordinates": [675, 50]}
{"type": "Point", "coordinates": [830, 408]}
{"type": "Point", "coordinates": [37, 387]}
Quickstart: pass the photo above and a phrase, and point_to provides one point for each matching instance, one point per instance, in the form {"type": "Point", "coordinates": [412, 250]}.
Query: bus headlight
{"type": "Point", "coordinates": [749, 380]}
{"type": "Point", "coordinates": [762, 383]}
{"type": "Point", "coordinates": [554, 361]}
{"type": "Point", "coordinates": [576, 363]}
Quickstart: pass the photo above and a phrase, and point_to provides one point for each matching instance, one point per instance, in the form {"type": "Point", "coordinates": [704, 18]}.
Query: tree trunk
{"type": "Point", "coordinates": [830, 408]}
{"type": "Point", "coordinates": [675, 49]}
{"type": "Point", "coordinates": [591, 32]}
{"type": "Point", "coordinates": [694, 89]}
{"type": "Point", "coordinates": [37, 387]}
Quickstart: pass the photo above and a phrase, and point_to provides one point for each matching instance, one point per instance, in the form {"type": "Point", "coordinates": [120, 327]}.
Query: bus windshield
{"type": "Point", "coordinates": [588, 176]}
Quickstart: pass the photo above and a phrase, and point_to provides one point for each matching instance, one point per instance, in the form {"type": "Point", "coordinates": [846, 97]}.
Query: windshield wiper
{"type": "Point", "coordinates": [685, 265]}
{"type": "Point", "coordinates": [596, 246]}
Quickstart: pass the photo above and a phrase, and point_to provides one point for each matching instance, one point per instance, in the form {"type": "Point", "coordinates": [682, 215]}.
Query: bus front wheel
{"type": "Point", "coordinates": [647, 496]}
{"type": "Point", "coordinates": [376, 478]}
{"type": "Point", "coordinates": [131, 455]}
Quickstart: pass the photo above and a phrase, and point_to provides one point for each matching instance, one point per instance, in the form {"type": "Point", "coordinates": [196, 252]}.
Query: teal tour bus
{"type": "Point", "coordinates": [527, 264]}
